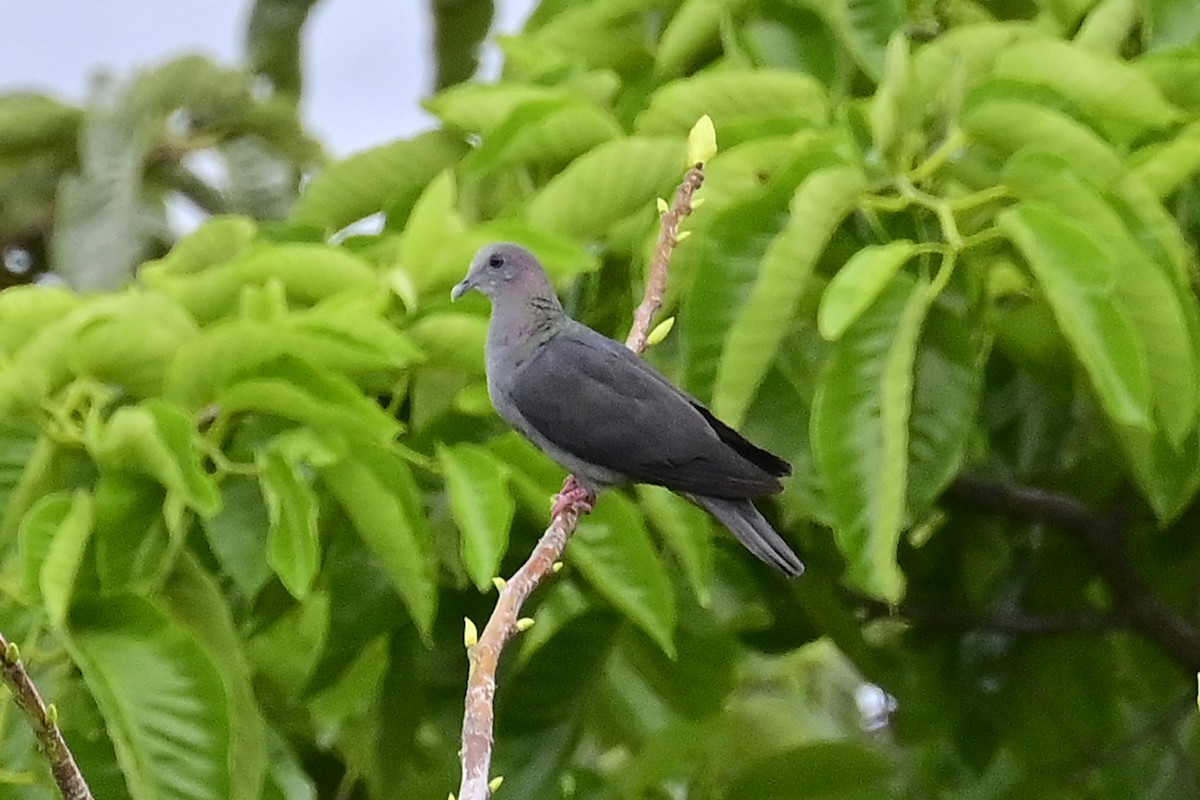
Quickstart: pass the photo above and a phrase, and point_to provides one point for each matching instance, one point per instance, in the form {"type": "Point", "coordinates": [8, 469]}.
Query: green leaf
{"type": "Point", "coordinates": [1012, 123]}
{"type": "Point", "coordinates": [860, 433]}
{"type": "Point", "coordinates": [157, 439]}
{"type": "Point", "coordinates": [433, 224]}
{"type": "Point", "coordinates": [817, 208]}
{"type": "Point", "coordinates": [238, 535]}
{"type": "Point", "coordinates": [219, 240]}
{"type": "Point", "coordinates": [481, 108]}
{"type": "Point", "coordinates": [892, 113]}
{"type": "Point", "coordinates": [1143, 289]}
{"type": "Point", "coordinates": [543, 132]}
{"type": "Point", "coordinates": [1078, 277]}
{"type": "Point", "coordinates": [730, 250]}
{"type": "Point", "coordinates": [686, 531]}
{"type": "Point", "coordinates": [833, 770]}
{"type": "Point", "coordinates": [376, 489]}
{"type": "Point", "coordinates": [31, 121]}
{"type": "Point", "coordinates": [863, 28]}
{"type": "Point", "coordinates": [26, 310]}
{"type": "Point", "coordinates": [53, 537]}
{"type": "Point", "coordinates": [613, 551]}
{"type": "Point", "coordinates": [732, 97]}
{"type": "Point", "coordinates": [1124, 103]}
{"type": "Point", "coordinates": [195, 601]}
{"type": "Point", "coordinates": [161, 697]}
{"type": "Point", "coordinates": [1165, 166]}
{"type": "Point", "coordinates": [482, 507]}
{"type": "Point", "coordinates": [307, 272]}
{"type": "Point", "coordinates": [459, 31]}
{"type": "Point", "coordinates": [947, 383]}
{"type": "Point", "coordinates": [391, 176]}
{"type": "Point", "coordinates": [112, 345]}
{"type": "Point", "coordinates": [293, 544]}
{"type": "Point", "coordinates": [606, 185]}
{"type": "Point", "coordinates": [452, 339]}
{"type": "Point", "coordinates": [132, 544]}
{"type": "Point", "coordinates": [294, 389]}
{"type": "Point", "coordinates": [273, 35]}
{"type": "Point", "coordinates": [693, 28]}
{"type": "Point", "coordinates": [858, 283]}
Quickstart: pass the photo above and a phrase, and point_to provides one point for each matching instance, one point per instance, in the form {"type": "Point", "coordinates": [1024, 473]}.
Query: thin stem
{"type": "Point", "coordinates": [44, 722]}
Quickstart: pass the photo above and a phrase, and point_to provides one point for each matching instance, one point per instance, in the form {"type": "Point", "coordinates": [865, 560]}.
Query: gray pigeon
{"type": "Point", "coordinates": [608, 416]}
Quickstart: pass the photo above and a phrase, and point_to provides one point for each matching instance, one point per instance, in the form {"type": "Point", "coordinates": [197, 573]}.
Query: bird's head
{"type": "Point", "coordinates": [505, 271]}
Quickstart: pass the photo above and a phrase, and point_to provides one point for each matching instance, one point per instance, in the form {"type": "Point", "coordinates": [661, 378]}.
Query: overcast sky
{"type": "Point", "coordinates": [356, 52]}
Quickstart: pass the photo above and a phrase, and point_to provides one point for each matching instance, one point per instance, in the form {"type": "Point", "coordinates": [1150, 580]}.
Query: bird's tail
{"type": "Point", "coordinates": [752, 529]}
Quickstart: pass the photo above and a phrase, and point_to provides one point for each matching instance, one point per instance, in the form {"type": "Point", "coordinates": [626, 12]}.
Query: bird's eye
{"type": "Point", "coordinates": [496, 261]}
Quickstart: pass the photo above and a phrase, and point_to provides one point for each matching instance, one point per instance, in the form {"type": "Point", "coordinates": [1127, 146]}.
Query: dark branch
{"type": "Point", "coordinates": [1103, 536]}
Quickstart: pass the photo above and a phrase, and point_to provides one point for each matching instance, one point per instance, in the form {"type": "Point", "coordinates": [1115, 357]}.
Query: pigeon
{"type": "Point", "coordinates": [609, 417]}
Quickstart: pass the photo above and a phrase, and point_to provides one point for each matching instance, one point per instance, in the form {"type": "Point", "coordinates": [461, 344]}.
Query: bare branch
{"type": "Point", "coordinates": [43, 721]}
{"type": "Point", "coordinates": [484, 655]}
{"type": "Point", "coordinates": [1103, 535]}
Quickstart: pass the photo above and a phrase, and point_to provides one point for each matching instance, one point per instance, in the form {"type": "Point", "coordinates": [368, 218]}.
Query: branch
{"type": "Point", "coordinates": [1103, 535]}
{"type": "Point", "coordinates": [43, 720]}
{"type": "Point", "coordinates": [1016, 623]}
{"type": "Point", "coordinates": [484, 655]}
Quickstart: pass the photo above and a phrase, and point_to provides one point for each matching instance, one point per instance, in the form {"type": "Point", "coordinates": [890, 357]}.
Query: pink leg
{"type": "Point", "coordinates": [573, 497]}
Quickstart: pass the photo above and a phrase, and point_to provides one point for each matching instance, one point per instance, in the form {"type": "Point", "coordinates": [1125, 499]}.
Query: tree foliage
{"type": "Point", "coordinates": [250, 482]}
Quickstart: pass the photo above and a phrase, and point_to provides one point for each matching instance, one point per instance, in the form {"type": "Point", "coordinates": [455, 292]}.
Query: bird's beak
{"type": "Point", "coordinates": [461, 288]}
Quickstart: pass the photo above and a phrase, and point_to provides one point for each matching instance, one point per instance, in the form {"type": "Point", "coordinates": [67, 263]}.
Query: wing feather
{"type": "Point", "coordinates": [597, 401]}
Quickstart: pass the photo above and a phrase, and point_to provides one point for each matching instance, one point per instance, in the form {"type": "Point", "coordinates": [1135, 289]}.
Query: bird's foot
{"type": "Point", "coordinates": [574, 497]}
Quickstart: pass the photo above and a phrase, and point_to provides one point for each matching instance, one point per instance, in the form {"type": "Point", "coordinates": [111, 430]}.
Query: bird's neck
{"type": "Point", "coordinates": [532, 321]}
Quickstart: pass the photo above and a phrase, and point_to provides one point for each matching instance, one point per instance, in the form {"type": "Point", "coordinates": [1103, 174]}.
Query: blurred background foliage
{"type": "Point", "coordinates": [250, 483]}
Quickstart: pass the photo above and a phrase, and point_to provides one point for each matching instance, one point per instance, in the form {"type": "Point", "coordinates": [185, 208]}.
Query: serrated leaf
{"type": "Point", "coordinates": [376, 490]}
{"type": "Point", "coordinates": [858, 283]}
{"type": "Point", "coordinates": [482, 507]}
{"type": "Point", "coordinates": [391, 175]}
{"type": "Point", "coordinates": [161, 697]}
{"type": "Point", "coordinates": [860, 433]}
{"type": "Point", "coordinates": [293, 542]}
{"type": "Point", "coordinates": [613, 551]}
{"type": "Point", "coordinates": [1078, 277]}
{"type": "Point", "coordinates": [818, 206]}
{"type": "Point", "coordinates": [606, 185]}
{"type": "Point", "coordinates": [733, 96]}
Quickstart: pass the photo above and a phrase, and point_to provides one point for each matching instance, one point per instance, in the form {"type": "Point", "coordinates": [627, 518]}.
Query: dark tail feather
{"type": "Point", "coordinates": [750, 527]}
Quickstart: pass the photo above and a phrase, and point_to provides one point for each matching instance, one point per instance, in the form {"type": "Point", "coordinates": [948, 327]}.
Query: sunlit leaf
{"type": "Point", "coordinates": [858, 283]}
{"type": "Point", "coordinates": [1078, 277]}
{"type": "Point", "coordinates": [818, 206]}
{"type": "Point", "coordinates": [608, 184]}
{"type": "Point", "coordinates": [482, 507]}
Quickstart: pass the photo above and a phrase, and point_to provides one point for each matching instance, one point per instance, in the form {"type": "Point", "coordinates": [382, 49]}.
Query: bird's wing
{"type": "Point", "coordinates": [597, 401]}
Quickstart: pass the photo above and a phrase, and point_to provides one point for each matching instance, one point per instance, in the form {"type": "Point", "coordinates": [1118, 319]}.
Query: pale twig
{"type": "Point", "coordinates": [43, 720]}
{"type": "Point", "coordinates": [484, 655]}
